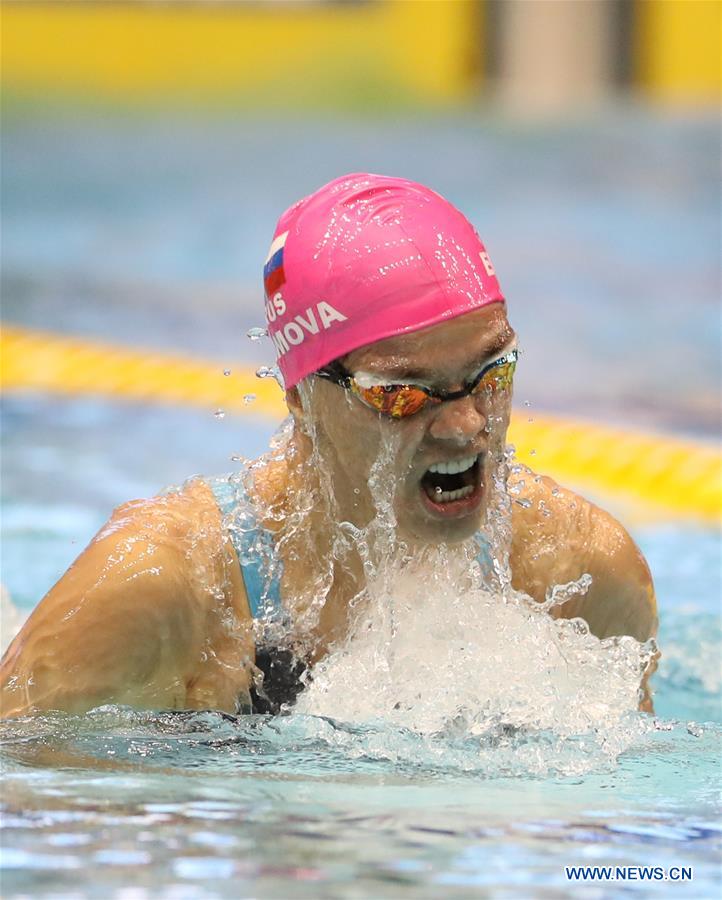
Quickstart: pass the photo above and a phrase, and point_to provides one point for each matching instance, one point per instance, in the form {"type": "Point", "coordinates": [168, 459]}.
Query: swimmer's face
{"type": "Point", "coordinates": [443, 455]}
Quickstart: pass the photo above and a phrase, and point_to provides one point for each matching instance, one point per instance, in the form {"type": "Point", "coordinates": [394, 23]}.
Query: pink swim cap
{"type": "Point", "coordinates": [364, 258]}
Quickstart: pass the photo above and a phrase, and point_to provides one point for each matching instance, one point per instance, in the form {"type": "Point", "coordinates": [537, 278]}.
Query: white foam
{"type": "Point", "coordinates": [428, 656]}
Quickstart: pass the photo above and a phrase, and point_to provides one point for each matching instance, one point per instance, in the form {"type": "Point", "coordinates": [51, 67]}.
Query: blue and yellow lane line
{"type": "Point", "coordinates": [655, 476]}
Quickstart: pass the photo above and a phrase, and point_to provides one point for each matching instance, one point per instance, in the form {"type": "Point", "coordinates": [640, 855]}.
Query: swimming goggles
{"type": "Point", "coordinates": [402, 400]}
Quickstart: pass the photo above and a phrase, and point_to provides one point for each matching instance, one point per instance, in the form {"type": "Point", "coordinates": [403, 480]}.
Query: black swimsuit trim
{"type": "Point", "coordinates": [282, 680]}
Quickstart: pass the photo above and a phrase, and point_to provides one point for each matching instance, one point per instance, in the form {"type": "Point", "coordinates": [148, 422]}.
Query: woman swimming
{"type": "Point", "coordinates": [397, 357]}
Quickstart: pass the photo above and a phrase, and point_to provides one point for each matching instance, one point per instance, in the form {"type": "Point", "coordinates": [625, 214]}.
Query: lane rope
{"type": "Point", "coordinates": [657, 476]}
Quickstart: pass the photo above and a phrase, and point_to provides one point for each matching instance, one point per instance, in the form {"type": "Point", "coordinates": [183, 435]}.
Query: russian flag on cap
{"type": "Point", "coordinates": [273, 274]}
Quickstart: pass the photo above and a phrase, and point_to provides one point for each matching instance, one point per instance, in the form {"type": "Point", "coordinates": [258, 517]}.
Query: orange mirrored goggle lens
{"type": "Point", "coordinates": [402, 400]}
{"type": "Point", "coordinates": [498, 378]}
{"type": "Point", "coordinates": [396, 400]}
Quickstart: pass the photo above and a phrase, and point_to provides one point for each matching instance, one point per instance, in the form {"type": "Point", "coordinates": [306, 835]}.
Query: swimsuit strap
{"type": "Point", "coordinates": [484, 557]}
{"type": "Point", "coordinates": [253, 545]}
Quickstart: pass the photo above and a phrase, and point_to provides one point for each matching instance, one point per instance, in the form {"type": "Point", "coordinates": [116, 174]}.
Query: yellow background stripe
{"type": "Point", "coordinates": [275, 54]}
{"type": "Point", "coordinates": [298, 55]}
{"type": "Point", "coordinates": [679, 49]}
{"type": "Point", "coordinates": [653, 475]}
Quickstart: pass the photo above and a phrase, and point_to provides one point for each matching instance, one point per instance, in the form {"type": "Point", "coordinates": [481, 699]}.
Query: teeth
{"type": "Point", "coordinates": [453, 467]}
{"type": "Point", "coordinates": [448, 496]}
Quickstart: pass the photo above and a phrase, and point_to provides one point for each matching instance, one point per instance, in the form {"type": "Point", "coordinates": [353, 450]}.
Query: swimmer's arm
{"type": "Point", "coordinates": [562, 536]}
{"type": "Point", "coordinates": [138, 619]}
{"type": "Point", "coordinates": [621, 598]}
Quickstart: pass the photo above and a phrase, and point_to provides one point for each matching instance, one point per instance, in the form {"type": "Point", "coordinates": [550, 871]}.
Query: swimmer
{"type": "Point", "coordinates": [391, 331]}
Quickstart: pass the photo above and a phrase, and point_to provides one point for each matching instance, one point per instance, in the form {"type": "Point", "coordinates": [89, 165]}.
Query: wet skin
{"type": "Point", "coordinates": [154, 614]}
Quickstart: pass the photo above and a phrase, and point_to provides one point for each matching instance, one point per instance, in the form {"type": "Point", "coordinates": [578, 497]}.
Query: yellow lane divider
{"type": "Point", "coordinates": [36, 360]}
{"type": "Point", "coordinates": [655, 475]}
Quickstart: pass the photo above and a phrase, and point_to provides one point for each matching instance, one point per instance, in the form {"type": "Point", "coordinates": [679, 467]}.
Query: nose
{"type": "Point", "coordinates": [459, 420]}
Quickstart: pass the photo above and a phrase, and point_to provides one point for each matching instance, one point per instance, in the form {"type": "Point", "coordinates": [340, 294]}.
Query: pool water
{"type": "Point", "coordinates": [206, 807]}
{"type": "Point", "coordinates": [107, 236]}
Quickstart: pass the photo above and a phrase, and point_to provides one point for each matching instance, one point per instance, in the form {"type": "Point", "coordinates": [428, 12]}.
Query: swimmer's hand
{"type": "Point", "coordinates": [152, 614]}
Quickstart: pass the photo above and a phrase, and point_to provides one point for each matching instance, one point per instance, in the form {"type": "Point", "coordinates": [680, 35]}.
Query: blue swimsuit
{"type": "Point", "coordinates": [246, 535]}
{"type": "Point", "coordinates": [282, 669]}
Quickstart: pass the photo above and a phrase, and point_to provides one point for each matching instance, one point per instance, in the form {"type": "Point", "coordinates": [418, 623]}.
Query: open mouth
{"type": "Point", "coordinates": [452, 487]}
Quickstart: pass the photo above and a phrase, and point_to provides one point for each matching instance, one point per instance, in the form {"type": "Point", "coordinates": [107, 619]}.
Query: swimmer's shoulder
{"type": "Point", "coordinates": [559, 536]}
{"type": "Point", "coordinates": [182, 531]}
{"type": "Point", "coordinates": [152, 614]}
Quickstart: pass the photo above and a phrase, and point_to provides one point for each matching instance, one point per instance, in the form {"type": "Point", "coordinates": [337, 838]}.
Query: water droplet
{"type": "Point", "coordinates": [555, 492]}
{"type": "Point", "coordinates": [226, 372]}
{"type": "Point", "coordinates": [530, 420]}
{"type": "Point", "coordinates": [220, 414]}
{"type": "Point", "coordinates": [248, 398]}
{"type": "Point", "coordinates": [236, 458]}
{"type": "Point", "coordinates": [532, 452]}
{"type": "Point", "coordinates": [527, 403]}
{"type": "Point", "coordinates": [270, 372]}
{"type": "Point", "coordinates": [255, 334]}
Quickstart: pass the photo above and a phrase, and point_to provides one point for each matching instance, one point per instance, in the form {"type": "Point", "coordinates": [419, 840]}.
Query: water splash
{"type": "Point", "coordinates": [436, 642]}
{"type": "Point", "coordinates": [255, 334]}
{"type": "Point", "coordinates": [434, 658]}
